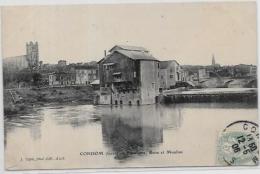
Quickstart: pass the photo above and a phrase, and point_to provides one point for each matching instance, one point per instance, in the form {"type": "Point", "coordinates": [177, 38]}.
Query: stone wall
{"type": "Point", "coordinates": [126, 98]}
{"type": "Point", "coordinates": [149, 81]}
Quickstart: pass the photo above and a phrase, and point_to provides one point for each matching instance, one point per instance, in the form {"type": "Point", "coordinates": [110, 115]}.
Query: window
{"type": "Point", "coordinates": [171, 70]}
{"type": "Point", "coordinates": [121, 102]}
{"type": "Point", "coordinates": [108, 66]}
{"type": "Point", "coordinates": [117, 75]}
{"type": "Point", "coordinates": [115, 102]}
{"type": "Point", "coordinates": [130, 103]}
{"type": "Point", "coordinates": [134, 74]}
{"type": "Point", "coordinates": [171, 76]}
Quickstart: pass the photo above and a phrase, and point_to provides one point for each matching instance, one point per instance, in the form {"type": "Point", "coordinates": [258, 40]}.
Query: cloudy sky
{"type": "Point", "coordinates": [187, 32]}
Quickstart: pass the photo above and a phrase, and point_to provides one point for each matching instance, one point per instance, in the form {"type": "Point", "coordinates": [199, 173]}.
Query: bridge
{"type": "Point", "coordinates": [224, 82]}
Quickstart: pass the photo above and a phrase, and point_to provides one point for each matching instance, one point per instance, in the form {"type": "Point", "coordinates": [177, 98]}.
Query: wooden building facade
{"type": "Point", "coordinates": [129, 75]}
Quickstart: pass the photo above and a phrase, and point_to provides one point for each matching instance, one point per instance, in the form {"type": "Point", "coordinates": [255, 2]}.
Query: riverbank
{"type": "Point", "coordinates": [31, 98]}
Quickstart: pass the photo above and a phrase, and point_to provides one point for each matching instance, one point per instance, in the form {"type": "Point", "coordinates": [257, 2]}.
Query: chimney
{"type": "Point", "coordinates": [105, 52]}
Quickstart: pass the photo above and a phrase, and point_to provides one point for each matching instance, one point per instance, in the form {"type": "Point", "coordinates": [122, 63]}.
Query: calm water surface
{"type": "Point", "coordinates": [128, 136]}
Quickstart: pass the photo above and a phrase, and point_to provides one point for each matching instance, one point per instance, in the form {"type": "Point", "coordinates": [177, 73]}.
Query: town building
{"type": "Point", "coordinates": [29, 60]}
{"type": "Point", "coordinates": [62, 78]}
{"type": "Point", "coordinates": [170, 73]}
{"type": "Point", "coordinates": [62, 63]}
{"type": "Point", "coordinates": [15, 63]}
{"type": "Point", "coordinates": [253, 71]}
{"type": "Point", "coordinates": [243, 70]}
{"type": "Point", "coordinates": [72, 74]}
{"type": "Point", "coordinates": [128, 75]}
{"type": "Point", "coordinates": [48, 67]}
{"type": "Point", "coordinates": [185, 75]}
{"type": "Point", "coordinates": [95, 84]}
{"type": "Point", "coordinates": [53, 79]}
{"type": "Point", "coordinates": [203, 74]}
{"type": "Point", "coordinates": [86, 74]}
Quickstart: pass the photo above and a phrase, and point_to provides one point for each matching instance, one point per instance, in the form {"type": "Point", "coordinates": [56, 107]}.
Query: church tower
{"type": "Point", "coordinates": [213, 60]}
{"type": "Point", "coordinates": [32, 54]}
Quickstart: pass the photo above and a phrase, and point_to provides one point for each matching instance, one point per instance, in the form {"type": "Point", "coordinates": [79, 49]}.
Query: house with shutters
{"type": "Point", "coordinates": [170, 73]}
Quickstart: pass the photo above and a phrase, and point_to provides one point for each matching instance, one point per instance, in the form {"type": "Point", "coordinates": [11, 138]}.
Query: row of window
{"type": "Point", "coordinates": [129, 103]}
{"type": "Point", "coordinates": [171, 76]}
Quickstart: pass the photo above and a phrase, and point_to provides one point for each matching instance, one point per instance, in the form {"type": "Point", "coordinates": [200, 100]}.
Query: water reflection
{"type": "Point", "coordinates": [30, 121]}
{"type": "Point", "coordinates": [132, 130]}
{"type": "Point", "coordinates": [76, 116]}
{"type": "Point", "coordinates": [172, 116]}
{"type": "Point", "coordinates": [127, 131]}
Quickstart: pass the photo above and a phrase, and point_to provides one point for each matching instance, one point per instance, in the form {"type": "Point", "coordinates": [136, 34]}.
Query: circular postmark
{"type": "Point", "coordinates": [238, 144]}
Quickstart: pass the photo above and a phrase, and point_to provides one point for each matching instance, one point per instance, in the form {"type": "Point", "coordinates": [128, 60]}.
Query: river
{"type": "Point", "coordinates": [56, 137]}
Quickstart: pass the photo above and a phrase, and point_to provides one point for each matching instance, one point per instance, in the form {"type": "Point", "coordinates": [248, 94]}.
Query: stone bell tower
{"type": "Point", "coordinates": [32, 54]}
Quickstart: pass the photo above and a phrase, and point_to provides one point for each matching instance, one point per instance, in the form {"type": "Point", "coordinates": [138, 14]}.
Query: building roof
{"type": "Point", "coordinates": [165, 64]}
{"type": "Point", "coordinates": [14, 57]}
{"type": "Point", "coordinates": [108, 64]}
{"type": "Point", "coordinates": [95, 82]}
{"type": "Point", "coordinates": [129, 48]}
{"type": "Point", "coordinates": [137, 55]}
{"type": "Point", "coordinates": [103, 58]}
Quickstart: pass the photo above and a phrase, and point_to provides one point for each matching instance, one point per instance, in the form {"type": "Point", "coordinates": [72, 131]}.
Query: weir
{"type": "Point", "coordinates": [248, 95]}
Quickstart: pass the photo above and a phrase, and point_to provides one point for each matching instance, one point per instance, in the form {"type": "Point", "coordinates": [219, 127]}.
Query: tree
{"type": "Point", "coordinates": [24, 76]}
{"type": "Point", "coordinates": [37, 77]}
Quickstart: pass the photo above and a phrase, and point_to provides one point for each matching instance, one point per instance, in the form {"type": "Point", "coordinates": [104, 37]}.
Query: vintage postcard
{"type": "Point", "coordinates": [99, 86]}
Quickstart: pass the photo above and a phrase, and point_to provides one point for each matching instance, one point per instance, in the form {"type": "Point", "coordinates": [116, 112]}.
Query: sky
{"type": "Point", "coordinates": [187, 32]}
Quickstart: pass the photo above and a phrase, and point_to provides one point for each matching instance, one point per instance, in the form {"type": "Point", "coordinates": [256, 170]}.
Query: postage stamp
{"type": "Point", "coordinates": [238, 144]}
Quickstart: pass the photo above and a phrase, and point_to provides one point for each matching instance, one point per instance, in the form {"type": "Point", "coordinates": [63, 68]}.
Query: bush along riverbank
{"type": "Point", "coordinates": [31, 98]}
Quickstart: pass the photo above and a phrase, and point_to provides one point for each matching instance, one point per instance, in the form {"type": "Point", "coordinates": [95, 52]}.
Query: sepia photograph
{"type": "Point", "coordinates": [131, 85]}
